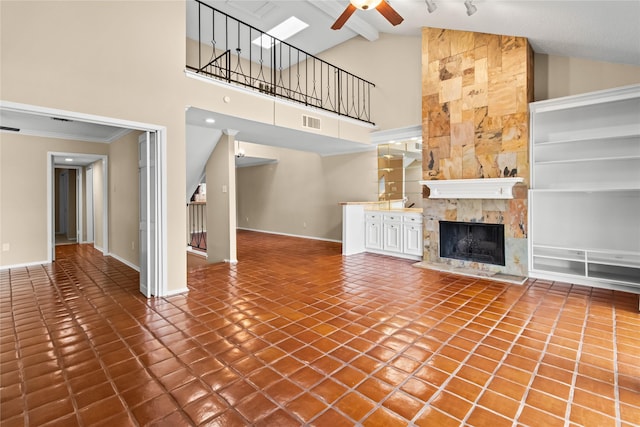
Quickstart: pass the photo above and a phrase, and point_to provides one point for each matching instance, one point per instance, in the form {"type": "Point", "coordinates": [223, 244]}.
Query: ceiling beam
{"type": "Point", "coordinates": [356, 24]}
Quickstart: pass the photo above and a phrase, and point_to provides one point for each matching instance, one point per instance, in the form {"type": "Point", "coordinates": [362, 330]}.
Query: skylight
{"type": "Point", "coordinates": [282, 31]}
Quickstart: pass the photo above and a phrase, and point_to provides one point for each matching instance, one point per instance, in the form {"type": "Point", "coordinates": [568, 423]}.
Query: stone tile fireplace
{"type": "Point", "coordinates": [475, 124]}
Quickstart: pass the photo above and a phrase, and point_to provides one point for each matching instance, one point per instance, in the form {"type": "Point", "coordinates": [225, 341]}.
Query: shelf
{"type": "Point", "coordinates": [614, 273]}
{"type": "Point", "coordinates": [584, 198]}
{"type": "Point", "coordinates": [598, 159]}
{"type": "Point", "coordinates": [618, 260]}
{"type": "Point", "coordinates": [558, 253]}
{"type": "Point", "coordinates": [614, 136]}
{"type": "Point", "coordinates": [572, 268]}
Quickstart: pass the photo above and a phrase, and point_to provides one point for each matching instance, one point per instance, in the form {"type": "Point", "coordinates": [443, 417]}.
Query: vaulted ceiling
{"type": "Point", "coordinates": [598, 30]}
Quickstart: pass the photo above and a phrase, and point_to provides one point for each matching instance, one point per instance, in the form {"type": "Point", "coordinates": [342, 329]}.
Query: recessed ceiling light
{"type": "Point", "coordinates": [282, 31]}
{"type": "Point", "coordinates": [68, 159]}
{"type": "Point", "coordinates": [210, 120]}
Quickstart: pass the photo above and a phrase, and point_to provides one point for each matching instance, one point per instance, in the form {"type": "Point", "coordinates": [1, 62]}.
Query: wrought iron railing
{"type": "Point", "coordinates": [230, 50]}
{"type": "Point", "coordinates": [197, 225]}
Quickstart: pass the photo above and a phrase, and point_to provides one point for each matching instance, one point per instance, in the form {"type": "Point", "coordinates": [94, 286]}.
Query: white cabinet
{"type": "Point", "coordinates": [394, 233]}
{"type": "Point", "coordinates": [585, 189]}
{"type": "Point", "coordinates": [412, 239]}
{"type": "Point", "coordinates": [373, 231]}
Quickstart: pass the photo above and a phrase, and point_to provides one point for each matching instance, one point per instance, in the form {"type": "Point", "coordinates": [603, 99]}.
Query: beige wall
{"type": "Point", "coordinates": [300, 193]}
{"type": "Point", "coordinates": [221, 202]}
{"type": "Point", "coordinates": [23, 222]}
{"type": "Point", "coordinates": [393, 64]}
{"type": "Point", "coordinates": [132, 70]}
{"type": "Point", "coordinates": [124, 198]}
{"type": "Point", "coordinates": [557, 76]}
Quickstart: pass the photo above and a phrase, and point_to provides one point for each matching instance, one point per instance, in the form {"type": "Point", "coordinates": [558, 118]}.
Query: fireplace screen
{"type": "Point", "coordinates": [472, 241]}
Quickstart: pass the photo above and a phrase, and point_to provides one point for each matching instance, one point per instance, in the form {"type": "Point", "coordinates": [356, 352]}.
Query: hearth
{"type": "Point", "coordinates": [471, 241]}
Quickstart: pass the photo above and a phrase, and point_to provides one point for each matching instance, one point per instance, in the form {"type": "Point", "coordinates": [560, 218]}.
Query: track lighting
{"type": "Point", "coordinates": [431, 5]}
{"type": "Point", "coordinates": [471, 9]}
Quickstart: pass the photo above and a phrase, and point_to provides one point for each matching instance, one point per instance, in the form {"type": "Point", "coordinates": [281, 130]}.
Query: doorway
{"type": "Point", "coordinates": [68, 221]}
{"type": "Point", "coordinates": [79, 199]}
{"type": "Point", "coordinates": [155, 243]}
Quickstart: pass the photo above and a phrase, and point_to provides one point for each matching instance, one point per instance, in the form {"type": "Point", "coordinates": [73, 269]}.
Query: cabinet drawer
{"type": "Point", "coordinates": [372, 216]}
{"type": "Point", "coordinates": [392, 218]}
{"type": "Point", "coordinates": [412, 219]}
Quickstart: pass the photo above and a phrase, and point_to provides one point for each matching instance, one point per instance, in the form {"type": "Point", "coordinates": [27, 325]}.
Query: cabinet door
{"type": "Point", "coordinates": [392, 237]}
{"type": "Point", "coordinates": [412, 239]}
{"type": "Point", "coordinates": [373, 235]}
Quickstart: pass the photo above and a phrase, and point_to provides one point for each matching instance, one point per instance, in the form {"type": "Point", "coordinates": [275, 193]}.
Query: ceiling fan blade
{"type": "Point", "coordinates": [390, 13]}
{"type": "Point", "coordinates": [343, 18]}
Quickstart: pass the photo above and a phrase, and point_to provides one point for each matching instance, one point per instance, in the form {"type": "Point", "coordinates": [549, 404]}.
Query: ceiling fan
{"type": "Point", "coordinates": [381, 6]}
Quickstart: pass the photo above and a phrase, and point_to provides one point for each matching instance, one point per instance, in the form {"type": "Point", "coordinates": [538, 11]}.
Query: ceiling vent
{"type": "Point", "coordinates": [9, 129]}
{"type": "Point", "coordinates": [60, 119]}
{"type": "Point", "coordinates": [310, 122]}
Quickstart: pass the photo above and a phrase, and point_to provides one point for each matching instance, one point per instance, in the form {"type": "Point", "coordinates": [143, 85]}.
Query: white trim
{"type": "Point", "coordinates": [72, 137]}
{"type": "Point", "coordinates": [196, 252]}
{"type": "Point", "coordinates": [26, 264]}
{"type": "Point", "coordinates": [487, 188]}
{"type": "Point", "coordinates": [175, 292]}
{"type": "Point", "coordinates": [230, 261]}
{"type": "Point", "coordinates": [125, 262]}
{"type": "Point", "coordinates": [289, 235]}
{"type": "Point", "coordinates": [105, 204]}
{"type": "Point", "coordinates": [398, 134]}
{"type": "Point", "coordinates": [71, 115]}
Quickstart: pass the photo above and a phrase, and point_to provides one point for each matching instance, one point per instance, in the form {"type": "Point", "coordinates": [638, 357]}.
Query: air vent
{"type": "Point", "coordinates": [60, 119]}
{"type": "Point", "coordinates": [310, 122]}
{"type": "Point", "coordinates": [10, 129]}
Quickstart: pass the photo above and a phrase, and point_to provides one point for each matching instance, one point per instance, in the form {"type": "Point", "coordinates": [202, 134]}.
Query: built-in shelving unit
{"type": "Point", "coordinates": [584, 199]}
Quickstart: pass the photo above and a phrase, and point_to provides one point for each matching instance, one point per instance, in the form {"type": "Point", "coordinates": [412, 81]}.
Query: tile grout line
{"type": "Point", "coordinates": [574, 377]}
{"type": "Point", "coordinates": [397, 388]}
{"type": "Point", "coordinates": [442, 386]}
{"type": "Point", "coordinates": [616, 389]}
{"type": "Point", "coordinates": [93, 349]}
{"type": "Point", "coordinates": [544, 352]}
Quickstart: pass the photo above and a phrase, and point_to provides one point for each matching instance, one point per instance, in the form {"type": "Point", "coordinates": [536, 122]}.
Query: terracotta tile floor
{"type": "Point", "coordinates": [297, 334]}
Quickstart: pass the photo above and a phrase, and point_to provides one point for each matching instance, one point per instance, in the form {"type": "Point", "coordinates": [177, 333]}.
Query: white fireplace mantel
{"type": "Point", "coordinates": [485, 188]}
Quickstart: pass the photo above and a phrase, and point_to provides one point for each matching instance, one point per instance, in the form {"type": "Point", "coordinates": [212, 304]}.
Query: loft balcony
{"type": "Point", "coordinates": [229, 50]}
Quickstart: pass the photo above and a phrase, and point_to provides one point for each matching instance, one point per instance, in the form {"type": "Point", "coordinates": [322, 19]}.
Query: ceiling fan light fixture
{"type": "Point", "coordinates": [471, 9]}
{"type": "Point", "coordinates": [365, 4]}
{"type": "Point", "coordinates": [431, 6]}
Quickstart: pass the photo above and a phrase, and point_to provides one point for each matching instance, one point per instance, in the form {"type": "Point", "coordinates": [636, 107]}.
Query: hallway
{"type": "Point", "coordinates": [297, 334]}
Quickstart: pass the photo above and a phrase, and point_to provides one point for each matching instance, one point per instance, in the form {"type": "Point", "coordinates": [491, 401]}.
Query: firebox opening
{"type": "Point", "coordinates": [471, 241]}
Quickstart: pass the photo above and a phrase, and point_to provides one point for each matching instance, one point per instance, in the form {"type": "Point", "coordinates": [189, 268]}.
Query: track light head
{"type": "Point", "coordinates": [431, 5]}
{"type": "Point", "coordinates": [471, 9]}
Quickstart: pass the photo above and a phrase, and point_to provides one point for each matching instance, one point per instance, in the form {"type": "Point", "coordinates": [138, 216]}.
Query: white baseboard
{"type": "Point", "coordinates": [26, 264]}
{"type": "Point", "coordinates": [289, 235]}
{"type": "Point", "coordinates": [99, 248]}
{"type": "Point", "coordinates": [174, 292]}
{"type": "Point", "coordinates": [125, 262]}
{"type": "Point", "coordinates": [196, 252]}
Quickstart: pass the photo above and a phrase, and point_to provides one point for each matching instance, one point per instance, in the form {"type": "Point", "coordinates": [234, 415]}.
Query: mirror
{"type": "Point", "coordinates": [400, 172]}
